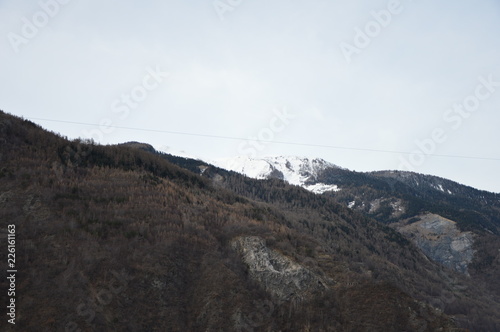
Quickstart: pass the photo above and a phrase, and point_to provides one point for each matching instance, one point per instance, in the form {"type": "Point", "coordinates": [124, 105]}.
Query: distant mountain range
{"type": "Point", "coordinates": [455, 215]}
{"type": "Point", "coordinates": [391, 194]}
{"type": "Point", "coordinates": [468, 219]}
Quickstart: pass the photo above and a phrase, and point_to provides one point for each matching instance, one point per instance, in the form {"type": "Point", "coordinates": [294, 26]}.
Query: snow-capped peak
{"type": "Point", "coordinates": [295, 170]}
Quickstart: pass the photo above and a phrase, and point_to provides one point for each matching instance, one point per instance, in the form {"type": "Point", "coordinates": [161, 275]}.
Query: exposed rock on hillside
{"type": "Point", "coordinates": [441, 240]}
{"type": "Point", "coordinates": [278, 274]}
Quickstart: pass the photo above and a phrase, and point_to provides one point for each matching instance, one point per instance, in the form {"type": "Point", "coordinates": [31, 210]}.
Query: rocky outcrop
{"type": "Point", "coordinates": [440, 239]}
{"type": "Point", "coordinates": [277, 274]}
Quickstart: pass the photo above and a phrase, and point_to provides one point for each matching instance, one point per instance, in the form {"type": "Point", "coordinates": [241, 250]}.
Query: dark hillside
{"type": "Point", "coordinates": [115, 238]}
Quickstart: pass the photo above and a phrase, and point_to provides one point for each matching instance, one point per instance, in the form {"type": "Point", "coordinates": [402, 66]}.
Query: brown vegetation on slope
{"type": "Point", "coordinates": [114, 238]}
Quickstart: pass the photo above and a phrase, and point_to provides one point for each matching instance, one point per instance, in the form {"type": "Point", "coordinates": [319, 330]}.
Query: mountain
{"type": "Point", "coordinates": [453, 224]}
{"type": "Point", "coordinates": [411, 203]}
{"type": "Point", "coordinates": [126, 238]}
{"type": "Point", "coordinates": [387, 196]}
{"type": "Point", "coordinates": [294, 170]}
{"type": "Point", "coordinates": [395, 197]}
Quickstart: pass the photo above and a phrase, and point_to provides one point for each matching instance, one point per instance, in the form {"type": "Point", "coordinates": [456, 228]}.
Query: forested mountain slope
{"type": "Point", "coordinates": [115, 238]}
{"type": "Point", "coordinates": [453, 224]}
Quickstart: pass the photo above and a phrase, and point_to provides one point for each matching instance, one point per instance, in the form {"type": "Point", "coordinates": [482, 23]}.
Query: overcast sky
{"type": "Point", "coordinates": [367, 85]}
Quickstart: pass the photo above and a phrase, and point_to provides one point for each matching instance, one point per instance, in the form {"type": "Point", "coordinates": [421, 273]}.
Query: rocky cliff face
{"type": "Point", "coordinates": [277, 274]}
{"type": "Point", "coordinates": [440, 239]}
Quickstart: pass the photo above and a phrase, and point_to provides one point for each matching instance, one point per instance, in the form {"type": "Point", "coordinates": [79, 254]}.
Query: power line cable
{"type": "Point", "coordinates": [275, 142]}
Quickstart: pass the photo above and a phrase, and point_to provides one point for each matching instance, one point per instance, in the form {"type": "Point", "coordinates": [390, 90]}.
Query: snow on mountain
{"type": "Point", "coordinates": [294, 170]}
